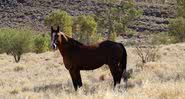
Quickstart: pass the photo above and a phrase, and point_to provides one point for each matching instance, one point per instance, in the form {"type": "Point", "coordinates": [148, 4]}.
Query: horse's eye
{"type": "Point", "coordinates": [56, 36]}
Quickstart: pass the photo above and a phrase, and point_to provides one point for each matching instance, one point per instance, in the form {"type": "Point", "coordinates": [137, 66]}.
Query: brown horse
{"type": "Point", "coordinates": [77, 56]}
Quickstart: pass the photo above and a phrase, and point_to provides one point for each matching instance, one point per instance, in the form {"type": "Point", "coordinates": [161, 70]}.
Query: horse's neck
{"type": "Point", "coordinates": [63, 50]}
{"type": "Point", "coordinates": [75, 43]}
{"type": "Point", "coordinates": [69, 46]}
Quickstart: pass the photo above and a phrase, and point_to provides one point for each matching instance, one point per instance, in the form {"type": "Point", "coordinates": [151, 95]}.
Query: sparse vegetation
{"type": "Point", "coordinates": [15, 42]}
{"type": "Point", "coordinates": [19, 68]}
{"type": "Point", "coordinates": [177, 29]}
{"type": "Point", "coordinates": [161, 79]}
{"type": "Point", "coordinates": [83, 26]}
{"type": "Point", "coordinates": [41, 43]}
{"type": "Point", "coordinates": [177, 25]}
{"type": "Point", "coordinates": [85, 29]}
{"type": "Point", "coordinates": [147, 53]}
{"type": "Point", "coordinates": [117, 16]}
{"type": "Point", "coordinates": [162, 38]}
{"type": "Point", "coordinates": [15, 91]}
{"type": "Point", "coordinates": [162, 69]}
{"type": "Point", "coordinates": [181, 8]}
{"type": "Point", "coordinates": [62, 19]}
{"type": "Point", "coordinates": [113, 36]}
{"type": "Point", "coordinates": [114, 20]}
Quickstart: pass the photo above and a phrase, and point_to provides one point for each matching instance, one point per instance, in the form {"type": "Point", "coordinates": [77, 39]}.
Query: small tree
{"type": "Point", "coordinates": [177, 25]}
{"type": "Point", "coordinates": [15, 42]}
{"type": "Point", "coordinates": [181, 8]}
{"type": "Point", "coordinates": [41, 43]}
{"type": "Point", "coordinates": [147, 53]}
{"type": "Point", "coordinates": [62, 19]}
{"type": "Point", "coordinates": [86, 28]}
{"type": "Point", "coordinates": [177, 29]}
{"type": "Point", "coordinates": [113, 36]}
{"type": "Point", "coordinates": [117, 16]}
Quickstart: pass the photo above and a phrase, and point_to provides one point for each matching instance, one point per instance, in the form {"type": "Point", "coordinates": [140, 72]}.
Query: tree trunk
{"type": "Point", "coordinates": [109, 20]}
{"type": "Point", "coordinates": [17, 58]}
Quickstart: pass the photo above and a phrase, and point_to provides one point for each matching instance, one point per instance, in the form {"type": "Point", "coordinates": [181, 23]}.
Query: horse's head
{"type": "Point", "coordinates": [57, 38]}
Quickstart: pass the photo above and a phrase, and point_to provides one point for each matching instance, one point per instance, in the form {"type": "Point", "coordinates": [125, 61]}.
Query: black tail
{"type": "Point", "coordinates": [123, 63]}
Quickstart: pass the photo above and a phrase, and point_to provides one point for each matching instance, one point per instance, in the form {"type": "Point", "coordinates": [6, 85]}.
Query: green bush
{"type": "Point", "coordinates": [177, 29]}
{"type": "Point", "coordinates": [15, 42]}
{"type": "Point", "coordinates": [62, 19]}
{"type": "Point", "coordinates": [41, 43]}
{"type": "Point", "coordinates": [95, 37]}
{"type": "Point", "coordinates": [177, 25]}
{"type": "Point", "coordinates": [114, 19]}
{"type": "Point", "coordinates": [85, 29]}
{"type": "Point", "coordinates": [181, 8]}
{"type": "Point", "coordinates": [162, 38]}
{"type": "Point", "coordinates": [113, 36]}
{"type": "Point", "coordinates": [117, 16]}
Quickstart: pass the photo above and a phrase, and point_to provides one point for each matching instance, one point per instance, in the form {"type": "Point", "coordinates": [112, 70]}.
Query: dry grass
{"type": "Point", "coordinates": [43, 76]}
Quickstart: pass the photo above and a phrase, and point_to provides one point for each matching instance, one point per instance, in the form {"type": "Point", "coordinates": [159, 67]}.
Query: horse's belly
{"type": "Point", "coordinates": [89, 61]}
{"type": "Point", "coordinates": [91, 66]}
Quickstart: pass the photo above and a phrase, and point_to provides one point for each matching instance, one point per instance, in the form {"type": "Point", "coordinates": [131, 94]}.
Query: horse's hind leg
{"type": "Point", "coordinates": [115, 73]}
{"type": "Point", "coordinates": [76, 78]}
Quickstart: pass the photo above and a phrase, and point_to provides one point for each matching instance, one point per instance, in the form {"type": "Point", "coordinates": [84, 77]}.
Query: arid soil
{"type": "Point", "coordinates": [43, 76]}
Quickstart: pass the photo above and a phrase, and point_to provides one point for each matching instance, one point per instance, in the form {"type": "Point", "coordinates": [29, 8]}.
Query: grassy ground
{"type": "Point", "coordinates": [43, 76]}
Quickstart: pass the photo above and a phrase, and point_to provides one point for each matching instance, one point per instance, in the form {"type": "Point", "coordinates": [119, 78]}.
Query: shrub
{"type": "Point", "coordinates": [15, 42]}
{"type": "Point", "coordinates": [181, 8]}
{"type": "Point", "coordinates": [117, 16]}
{"type": "Point", "coordinates": [147, 53]}
{"type": "Point", "coordinates": [62, 19]}
{"type": "Point", "coordinates": [95, 37]}
{"type": "Point", "coordinates": [177, 25]}
{"type": "Point", "coordinates": [177, 29]}
{"type": "Point", "coordinates": [41, 43]}
{"type": "Point", "coordinates": [19, 68]}
{"type": "Point", "coordinates": [2, 41]}
{"type": "Point", "coordinates": [162, 38]}
{"type": "Point", "coordinates": [86, 28]}
{"type": "Point", "coordinates": [113, 36]}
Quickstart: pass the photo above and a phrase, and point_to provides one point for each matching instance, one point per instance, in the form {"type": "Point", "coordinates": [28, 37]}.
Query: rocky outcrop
{"type": "Point", "coordinates": [155, 18]}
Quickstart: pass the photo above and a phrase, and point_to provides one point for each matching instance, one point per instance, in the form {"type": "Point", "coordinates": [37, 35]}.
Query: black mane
{"type": "Point", "coordinates": [74, 42]}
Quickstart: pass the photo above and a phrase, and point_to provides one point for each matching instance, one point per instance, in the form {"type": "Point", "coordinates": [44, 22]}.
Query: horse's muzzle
{"type": "Point", "coordinates": [54, 46]}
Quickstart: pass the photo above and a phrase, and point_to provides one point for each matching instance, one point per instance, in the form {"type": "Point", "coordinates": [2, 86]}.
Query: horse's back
{"type": "Point", "coordinates": [110, 46]}
{"type": "Point", "coordinates": [111, 50]}
{"type": "Point", "coordinates": [107, 43]}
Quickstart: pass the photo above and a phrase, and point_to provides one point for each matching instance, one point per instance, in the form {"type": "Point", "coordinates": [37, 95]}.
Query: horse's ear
{"type": "Point", "coordinates": [58, 29]}
{"type": "Point", "coordinates": [59, 38]}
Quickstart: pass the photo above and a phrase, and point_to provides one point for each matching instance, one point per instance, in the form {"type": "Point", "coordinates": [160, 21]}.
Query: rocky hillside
{"type": "Point", "coordinates": [15, 13]}
{"type": "Point", "coordinates": [155, 18]}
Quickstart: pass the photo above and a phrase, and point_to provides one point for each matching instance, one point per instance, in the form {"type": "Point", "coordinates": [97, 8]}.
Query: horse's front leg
{"type": "Point", "coordinates": [76, 78]}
